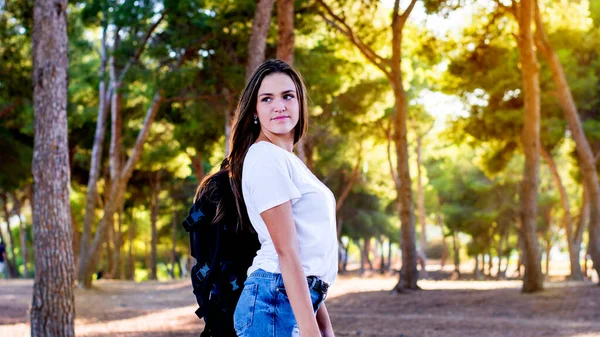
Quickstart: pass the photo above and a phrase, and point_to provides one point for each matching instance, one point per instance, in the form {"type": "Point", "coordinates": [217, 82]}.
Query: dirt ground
{"type": "Point", "coordinates": [358, 307]}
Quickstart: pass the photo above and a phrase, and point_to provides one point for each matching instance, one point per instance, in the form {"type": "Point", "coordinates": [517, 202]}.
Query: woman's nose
{"type": "Point", "coordinates": [279, 104]}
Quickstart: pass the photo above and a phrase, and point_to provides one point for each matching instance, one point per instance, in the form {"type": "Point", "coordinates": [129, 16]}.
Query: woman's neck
{"type": "Point", "coordinates": [283, 142]}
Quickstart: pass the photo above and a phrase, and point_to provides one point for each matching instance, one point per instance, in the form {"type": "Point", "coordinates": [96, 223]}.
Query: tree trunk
{"type": "Point", "coordinates": [174, 243]}
{"type": "Point", "coordinates": [345, 259]}
{"type": "Point", "coordinates": [548, 248]}
{"type": "Point", "coordinates": [115, 271]}
{"type": "Point", "coordinates": [456, 253]}
{"type": "Point", "coordinates": [476, 271]}
{"type": "Point", "coordinates": [229, 112]}
{"type": "Point", "coordinates": [109, 245]}
{"type": "Point", "coordinates": [521, 260]}
{"type": "Point", "coordinates": [367, 250]}
{"type": "Point", "coordinates": [92, 187]}
{"type": "Point", "coordinates": [500, 255]}
{"type": "Point", "coordinates": [362, 257]}
{"type": "Point", "coordinates": [22, 235]}
{"type": "Point", "coordinates": [116, 131]}
{"type": "Point", "coordinates": [444, 244]}
{"type": "Point", "coordinates": [153, 218]}
{"type": "Point", "coordinates": [392, 68]}
{"type": "Point", "coordinates": [258, 38]}
{"type": "Point", "coordinates": [9, 266]}
{"type": "Point", "coordinates": [285, 22]}
{"type": "Point", "coordinates": [389, 260]}
{"type": "Point", "coordinates": [404, 192]}
{"type": "Point", "coordinates": [567, 222]}
{"type": "Point", "coordinates": [130, 271]}
{"type": "Point", "coordinates": [490, 262]}
{"type": "Point", "coordinates": [52, 306]}
{"type": "Point", "coordinates": [421, 197]}
{"type": "Point", "coordinates": [581, 225]}
{"type": "Point", "coordinates": [12, 266]}
{"type": "Point", "coordinates": [533, 279]}
{"type": "Point", "coordinates": [584, 151]}
{"type": "Point", "coordinates": [198, 167]}
{"type": "Point", "coordinates": [382, 260]}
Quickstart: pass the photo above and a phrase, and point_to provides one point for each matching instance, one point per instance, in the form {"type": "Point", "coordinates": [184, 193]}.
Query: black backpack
{"type": "Point", "coordinates": [223, 255]}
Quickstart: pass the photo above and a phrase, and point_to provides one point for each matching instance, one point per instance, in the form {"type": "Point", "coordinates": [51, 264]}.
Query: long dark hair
{"type": "Point", "coordinates": [244, 132]}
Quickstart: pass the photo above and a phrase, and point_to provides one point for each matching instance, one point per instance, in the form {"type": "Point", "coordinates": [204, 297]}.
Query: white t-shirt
{"type": "Point", "coordinates": [272, 176]}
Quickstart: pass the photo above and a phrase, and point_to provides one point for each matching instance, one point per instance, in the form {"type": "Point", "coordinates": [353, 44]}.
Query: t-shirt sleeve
{"type": "Point", "coordinates": [270, 184]}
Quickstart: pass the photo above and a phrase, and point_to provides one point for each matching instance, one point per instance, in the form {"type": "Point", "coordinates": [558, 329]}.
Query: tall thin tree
{"type": "Point", "coordinates": [584, 151]}
{"type": "Point", "coordinates": [52, 307]}
{"type": "Point", "coordinates": [533, 279]}
{"type": "Point", "coordinates": [392, 69]}
{"type": "Point", "coordinates": [258, 38]}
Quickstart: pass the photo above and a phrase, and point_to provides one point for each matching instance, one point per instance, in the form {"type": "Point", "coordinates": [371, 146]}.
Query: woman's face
{"type": "Point", "coordinates": [277, 106]}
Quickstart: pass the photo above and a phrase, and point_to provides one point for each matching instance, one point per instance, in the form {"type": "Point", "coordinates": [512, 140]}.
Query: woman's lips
{"type": "Point", "coordinates": [280, 118]}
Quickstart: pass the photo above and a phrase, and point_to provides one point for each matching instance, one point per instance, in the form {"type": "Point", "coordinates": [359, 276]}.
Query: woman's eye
{"type": "Point", "coordinates": [266, 99]}
{"type": "Point", "coordinates": [288, 96]}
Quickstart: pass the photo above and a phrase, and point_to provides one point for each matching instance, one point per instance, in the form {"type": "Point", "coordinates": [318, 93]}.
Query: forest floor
{"type": "Point", "coordinates": [359, 306]}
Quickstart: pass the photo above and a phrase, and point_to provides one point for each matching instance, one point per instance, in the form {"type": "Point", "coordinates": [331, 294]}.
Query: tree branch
{"type": "Point", "coordinates": [406, 13]}
{"type": "Point", "coordinates": [140, 50]}
{"type": "Point", "coordinates": [340, 24]}
{"type": "Point", "coordinates": [10, 108]}
{"type": "Point", "coordinates": [350, 184]}
{"type": "Point", "coordinates": [136, 152]}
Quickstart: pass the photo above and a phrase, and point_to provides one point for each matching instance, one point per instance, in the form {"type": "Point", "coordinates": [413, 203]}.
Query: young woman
{"type": "Point", "coordinates": [290, 209]}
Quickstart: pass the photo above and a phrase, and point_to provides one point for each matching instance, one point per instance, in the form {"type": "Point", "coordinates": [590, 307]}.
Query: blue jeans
{"type": "Point", "coordinates": [264, 308]}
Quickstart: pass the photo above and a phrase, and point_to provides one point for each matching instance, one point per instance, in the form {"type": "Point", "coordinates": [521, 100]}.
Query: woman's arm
{"type": "Point", "coordinates": [324, 322]}
{"type": "Point", "coordinates": [281, 226]}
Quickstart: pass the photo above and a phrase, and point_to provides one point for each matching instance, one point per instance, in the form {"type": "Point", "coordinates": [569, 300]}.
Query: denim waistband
{"type": "Point", "coordinates": [314, 282]}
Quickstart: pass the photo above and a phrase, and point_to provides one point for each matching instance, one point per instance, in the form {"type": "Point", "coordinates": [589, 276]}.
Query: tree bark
{"type": "Point", "coordinates": [258, 38]}
{"type": "Point", "coordinates": [116, 270]}
{"type": "Point", "coordinates": [581, 224]}
{"type": "Point", "coordinates": [52, 306]}
{"type": "Point", "coordinates": [198, 167]}
{"type": "Point", "coordinates": [409, 258]}
{"type": "Point", "coordinates": [173, 243]}
{"type": "Point", "coordinates": [12, 266]}
{"type": "Point", "coordinates": [285, 23]}
{"type": "Point", "coordinates": [476, 271]}
{"type": "Point", "coordinates": [92, 187]}
{"type": "Point", "coordinates": [444, 244]}
{"type": "Point", "coordinates": [533, 279]}
{"type": "Point", "coordinates": [456, 253]}
{"type": "Point", "coordinates": [584, 151]}
{"type": "Point", "coordinates": [575, 267]}
{"type": "Point", "coordinates": [367, 248]}
{"type": "Point", "coordinates": [155, 183]}
{"type": "Point", "coordinates": [228, 118]}
{"type": "Point", "coordinates": [362, 257]}
{"type": "Point", "coordinates": [109, 245]}
{"type": "Point", "coordinates": [130, 271]}
{"type": "Point", "coordinates": [421, 196]}
{"type": "Point", "coordinates": [22, 234]}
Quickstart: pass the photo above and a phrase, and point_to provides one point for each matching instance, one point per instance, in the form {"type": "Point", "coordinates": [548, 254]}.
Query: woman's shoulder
{"type": "Point", "coordinates": [265, 152]}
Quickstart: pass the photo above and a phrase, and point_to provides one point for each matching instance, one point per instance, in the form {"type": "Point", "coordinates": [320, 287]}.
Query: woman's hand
{"type": "Point", "coordinates": [324, 322]}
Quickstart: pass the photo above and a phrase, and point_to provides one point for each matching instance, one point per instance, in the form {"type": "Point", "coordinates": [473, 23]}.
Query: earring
{"type": "Point", "coordinates": [255, 120]}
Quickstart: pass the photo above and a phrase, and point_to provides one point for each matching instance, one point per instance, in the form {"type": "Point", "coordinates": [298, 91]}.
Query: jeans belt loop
{"type": "Point", "coordinates": [313, 281]}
